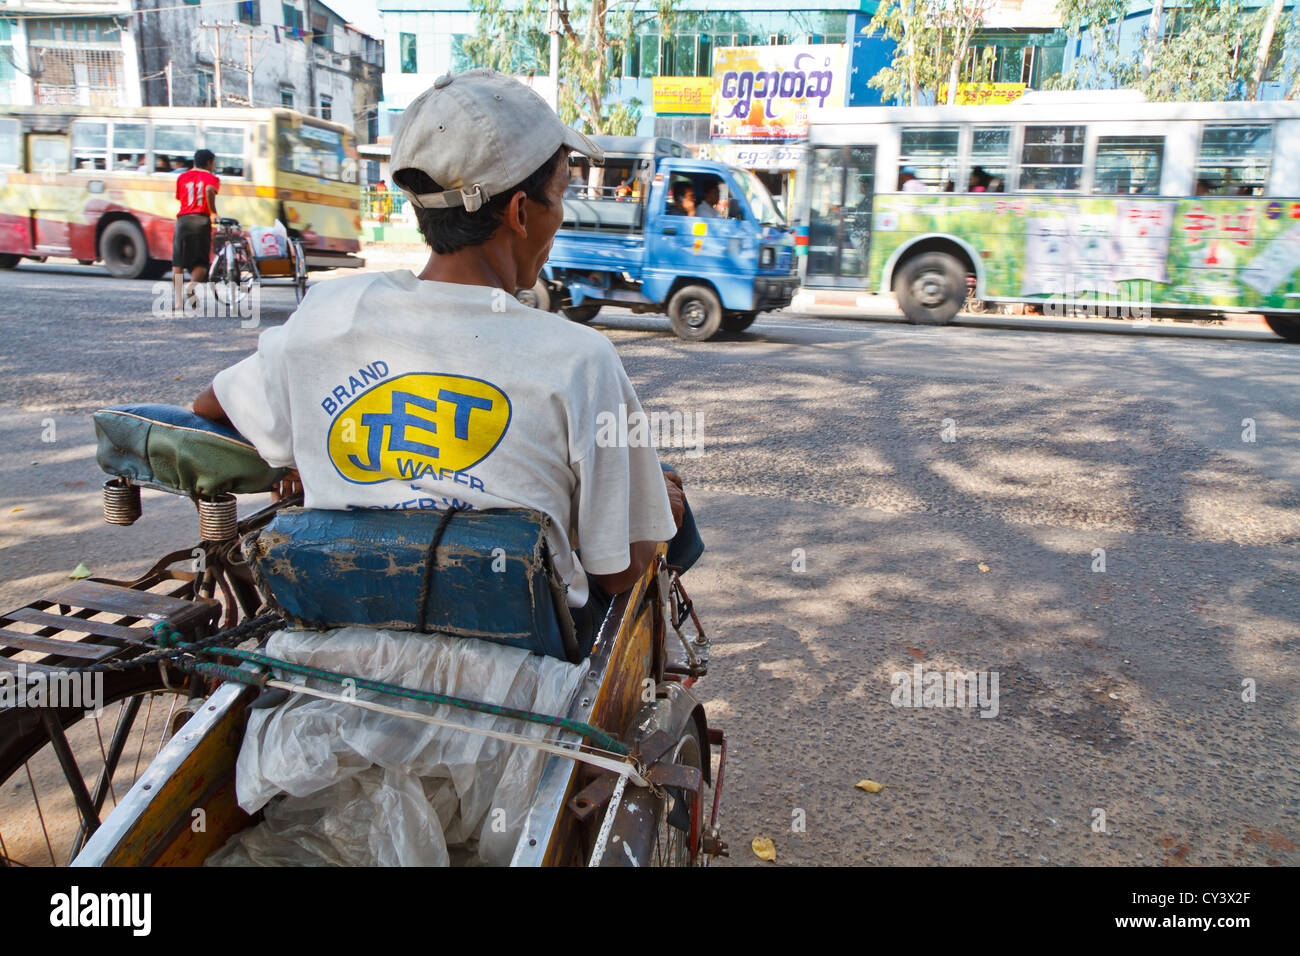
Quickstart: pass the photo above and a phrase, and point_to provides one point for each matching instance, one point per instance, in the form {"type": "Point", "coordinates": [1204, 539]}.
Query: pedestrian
{"type": "Point", "coordinates": [196, 189]}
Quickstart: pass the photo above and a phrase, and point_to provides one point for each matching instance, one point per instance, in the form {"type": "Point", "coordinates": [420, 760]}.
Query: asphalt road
{"type": "Point", "coordinates": [850, 541]}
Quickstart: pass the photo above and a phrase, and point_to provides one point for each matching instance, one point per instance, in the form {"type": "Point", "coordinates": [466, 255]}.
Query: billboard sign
{"type": "Point", "coordinates": [766, 91]}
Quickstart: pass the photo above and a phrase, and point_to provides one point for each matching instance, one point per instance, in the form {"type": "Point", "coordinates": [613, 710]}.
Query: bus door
{"type": "Point", "coordinates": [841, 191]}
{"type": "Point", "coordinates": [50, 207]}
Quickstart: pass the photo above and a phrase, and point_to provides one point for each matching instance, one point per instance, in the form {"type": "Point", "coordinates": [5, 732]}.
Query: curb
{"type": "Point", "coordinates": [844, 304]}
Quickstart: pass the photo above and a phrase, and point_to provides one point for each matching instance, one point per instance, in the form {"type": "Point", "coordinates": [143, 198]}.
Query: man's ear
{"type": "Point", "coordinates": [516, 215]}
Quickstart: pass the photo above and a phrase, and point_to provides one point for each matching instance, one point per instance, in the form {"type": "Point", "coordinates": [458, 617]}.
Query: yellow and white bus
{"type": "Point", "coordinates": [98, 183]}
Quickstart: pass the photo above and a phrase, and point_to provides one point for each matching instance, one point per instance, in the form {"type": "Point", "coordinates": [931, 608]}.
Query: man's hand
{"type": "Point", "coordinates": [290, 484]}
{"type": "Point", "coordinates": [676, 499]}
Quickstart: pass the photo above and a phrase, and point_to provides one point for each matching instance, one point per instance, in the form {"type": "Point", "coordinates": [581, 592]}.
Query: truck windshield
{"type": "Point", "coordinates": [760, 200]}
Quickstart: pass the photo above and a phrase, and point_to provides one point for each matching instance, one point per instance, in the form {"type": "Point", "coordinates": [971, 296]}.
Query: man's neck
{"type": "Point", "coordinates": [476, 265]}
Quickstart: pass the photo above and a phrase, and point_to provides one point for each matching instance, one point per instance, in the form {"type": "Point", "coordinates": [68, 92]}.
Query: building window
{"type": "Point", "coordinates": [250, 12]}
{"type": "Point", "coordinates": [292, 19]}
{"type": "Point", "coordinates": [203, 84]}
{"type": "Point", "coordinates": [286, 98]}
{"type": "Point", "coordinates": [1052, 158]}
{"type": "Point", "coordinates": [326, 108]}
{"type": "Point", "coordinates": [409, 63]}
{"type": "Point", "coordinates": [1234, 159]}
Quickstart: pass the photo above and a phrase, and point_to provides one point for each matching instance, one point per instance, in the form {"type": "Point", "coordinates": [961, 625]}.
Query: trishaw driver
{"type": "Point", "coordinates": [391, 390]}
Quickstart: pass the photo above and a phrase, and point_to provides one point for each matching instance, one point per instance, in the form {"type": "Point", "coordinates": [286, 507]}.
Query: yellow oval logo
{"type": "Point", "coordinates": [418, 425]}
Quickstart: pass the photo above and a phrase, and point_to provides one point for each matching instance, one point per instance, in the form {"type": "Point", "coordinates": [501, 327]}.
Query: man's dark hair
{"type": "Point", "coordinates": [203, 157]}
{"type": "Point", "coordinates": [680, 187]}
{"type": "Point", "coordinates": [450, 230]}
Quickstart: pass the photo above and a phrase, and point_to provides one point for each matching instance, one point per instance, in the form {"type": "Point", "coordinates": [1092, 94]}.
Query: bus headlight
{"type": "Point", "coordinates": [766, 257]}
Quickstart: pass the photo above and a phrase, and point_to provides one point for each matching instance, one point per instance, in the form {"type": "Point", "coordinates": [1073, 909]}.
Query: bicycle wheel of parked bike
{"type": "Point", "coordinates": [47, 797]}
{"type": "Point", "coordinates": [232, 276]}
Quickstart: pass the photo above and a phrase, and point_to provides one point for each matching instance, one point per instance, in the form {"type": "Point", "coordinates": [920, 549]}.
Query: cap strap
{"type": "Point", "coordinates": [472, 198]}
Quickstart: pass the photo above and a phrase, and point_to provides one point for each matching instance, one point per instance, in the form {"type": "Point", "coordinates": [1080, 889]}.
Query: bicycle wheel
{"type": "Point", "coordinates": [299, 269]}
{"type": "Point", "coordinates": [41, 820]}
{"type": "Point", "coordinates": [237, 277]}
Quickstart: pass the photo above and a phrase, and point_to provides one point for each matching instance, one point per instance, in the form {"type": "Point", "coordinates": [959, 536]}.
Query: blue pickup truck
{"type": "Point", "coordinates": [654, 230]}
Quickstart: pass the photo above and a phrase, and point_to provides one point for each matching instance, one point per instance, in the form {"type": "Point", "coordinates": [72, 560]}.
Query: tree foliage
{"type": "Point", "coordinates": [1203, 49]}
{"type": "Point", "coordinates": [594, 36]}
{"type": "Point", "coordinates": [932, 41]}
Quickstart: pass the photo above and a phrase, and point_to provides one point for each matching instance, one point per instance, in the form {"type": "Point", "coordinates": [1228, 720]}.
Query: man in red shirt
{"type": "Point", "coordinates": [196, 189]}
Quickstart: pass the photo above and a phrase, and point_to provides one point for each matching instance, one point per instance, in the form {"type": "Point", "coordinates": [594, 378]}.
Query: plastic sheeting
{"type": "Point", "coordinates": [360, 788]}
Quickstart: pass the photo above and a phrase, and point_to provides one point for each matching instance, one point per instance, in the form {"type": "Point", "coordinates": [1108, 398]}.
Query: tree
{"type": "Point", "coordinates": [595, 34]}
{"type": "Point", "coordinates": [1200, 52]}
{"type": "Point", "coordinates": [1265, 47]}
{"type": "Point", "coordinates": [932, 42]}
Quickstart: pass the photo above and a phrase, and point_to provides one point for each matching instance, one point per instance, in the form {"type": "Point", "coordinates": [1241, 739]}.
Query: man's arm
{"type": "Point", "coordinates": [212, 200]}
{"type": "Point", "coordinates": [207, 406]}
{"type": "Point", "coordinates": [643, 552]}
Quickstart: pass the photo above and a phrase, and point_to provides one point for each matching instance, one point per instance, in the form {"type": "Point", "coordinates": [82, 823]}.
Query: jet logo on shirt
{"type": "Point", "coordinates": [418, 425]}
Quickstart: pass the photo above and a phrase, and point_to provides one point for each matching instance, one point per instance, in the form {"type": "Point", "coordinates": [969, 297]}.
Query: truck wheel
{"type": "Point", "coordinates": [738, 321]}
{"type": "Point", "coordinates": [931, 288]}
{"type": "Point", "coordinates": [581, 313]}
{"type": "Point", "coordinates": [538, 297]}
{"type": "Point", "coordinates": [8, 260]}
{"type": "Point", "coordinates": [695, 313]}
{"type": "Point", "coordinates": [123, 249]}
{"type": "Point", "coordinates": [1287, 326]}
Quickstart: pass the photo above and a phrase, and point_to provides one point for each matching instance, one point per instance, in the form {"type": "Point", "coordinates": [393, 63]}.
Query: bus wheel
{"type": "Point", "coordinates": [581, 313]}
{"type": "Point", "coordinates": [8, 260]}
{"type": "Point", "coordinates": [1287, 326]}
{"type": "Point", "coordinates": [695, 313]}
{"type": "Point", "coordinates": [123, 249]}
{"type": "Point", "coordinates": [931, 288]}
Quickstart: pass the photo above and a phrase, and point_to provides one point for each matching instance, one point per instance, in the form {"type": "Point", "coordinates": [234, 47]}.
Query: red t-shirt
{"type": "Point", "coordinates": [192, 190]}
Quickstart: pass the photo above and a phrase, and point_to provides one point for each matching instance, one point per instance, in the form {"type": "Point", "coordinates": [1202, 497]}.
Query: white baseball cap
{"type": "Point", "coordinates": [477, 134]}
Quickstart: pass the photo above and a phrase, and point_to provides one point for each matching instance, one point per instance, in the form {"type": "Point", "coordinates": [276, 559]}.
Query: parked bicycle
{"type": "Point", "coordinates": [238, 264]}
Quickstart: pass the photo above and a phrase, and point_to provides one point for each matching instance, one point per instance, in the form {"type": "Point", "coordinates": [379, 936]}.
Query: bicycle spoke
{"type": "Point", "coordinates": [135, 774]}
{"type": "Point", "coordinates": [32, 784]}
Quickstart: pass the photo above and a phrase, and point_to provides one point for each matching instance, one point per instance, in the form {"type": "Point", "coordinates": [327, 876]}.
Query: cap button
{"type": "Point", "coordinates": [440, 82]}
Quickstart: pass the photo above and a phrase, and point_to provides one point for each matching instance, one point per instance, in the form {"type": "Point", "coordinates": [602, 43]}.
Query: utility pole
{"type": "Point", "coordinates": [248, 39]}
{"type": "Point", "coordinates": [310, 50]}
{"type": "Point", "coordinates": [216, 56]}
{"type": "Point", "coordinates": [169, 82]}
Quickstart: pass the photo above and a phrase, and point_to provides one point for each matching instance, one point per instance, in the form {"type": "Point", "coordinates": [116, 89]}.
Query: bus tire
{"type": "Point", "coordinates": [8, 260]}
{"type": "Point", "coordinates": [1287, 326]}
{"type": "Point", "coordinates": [123, 249]}
{"type": "Point", "coordinates": [931, 288]}
{"type": "Point", "coordinates": [581, 313]}
{"type": "Point", "coordinates": [538, 297]}
{"type": "Point", "coordinates": [695, 313]}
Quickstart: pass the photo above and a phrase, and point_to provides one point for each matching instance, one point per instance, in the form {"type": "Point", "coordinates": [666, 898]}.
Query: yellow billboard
{"type": "Point", "coordinates": [768, 90]}
{"type": "Point", "coordinates": [683, 94]}
{"type": "Point", "coordinates": [982, 94]}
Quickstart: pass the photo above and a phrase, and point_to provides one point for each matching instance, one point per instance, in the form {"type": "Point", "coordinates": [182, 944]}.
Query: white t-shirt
{"type": "Point", "coordinates": [389, 391]}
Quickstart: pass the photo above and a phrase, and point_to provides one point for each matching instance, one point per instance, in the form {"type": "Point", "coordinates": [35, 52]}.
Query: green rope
{"type": "Point", "coordinates": [597, 736]}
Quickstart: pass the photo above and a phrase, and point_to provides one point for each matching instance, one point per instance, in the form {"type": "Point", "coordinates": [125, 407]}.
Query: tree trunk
{"type": "Point", "coordinates": [1153, 36]}
{"type": "Point", "coordinates": [1265, 42]}
{"type": "Point", "coordinates": [909, 25]}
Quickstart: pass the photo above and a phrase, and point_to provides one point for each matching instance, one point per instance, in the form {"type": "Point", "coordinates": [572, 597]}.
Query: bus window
{"type": "Point", "coordinates": [990, 154]}
{"type": "Point", "coordinates": [316, 151]}
{"type": "Point", "coordinates": [47, 154]}
{"type": "Point", "coordinates": [11, 144]}
{"type": "Point", "coordinates": [1052, 158]}
{"type": "Point", "coordinates": [90, 145]}
{"type": "Point", "coordinates": [1234, 159]}
{"type": "Point", "coordinates": [931, 154]}
{"type": "Point", "coordinates": [1128, 165]}
{"type": "Point", "coordinates": [173, 148]}
{"type": "Point", "coordinates": [130, 153]}
{"type": "Point", "coordinates": [227, 142]}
